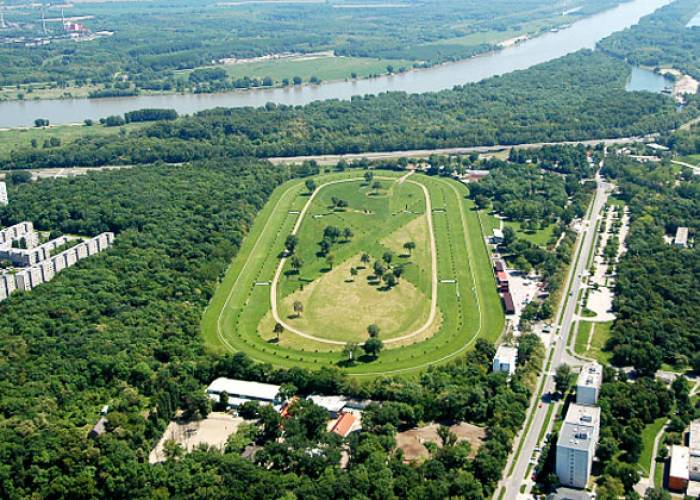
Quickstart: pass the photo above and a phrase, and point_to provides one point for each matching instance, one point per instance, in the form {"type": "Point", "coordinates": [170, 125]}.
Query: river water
{"type": "Point", "coordinates": [583, 34]}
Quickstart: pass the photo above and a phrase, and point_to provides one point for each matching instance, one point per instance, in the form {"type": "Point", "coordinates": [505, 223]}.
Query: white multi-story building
{"type": "Point", "coordinates": [505, 359]}
{"type": "Point", "coordinates": [3, 194]}
{"type": "Point", "coordinates": [22, 230]}
{"type": "Point", "coordinates": [588, 385]}
{"type": "Point", "coordinates": [694, 446]}
{"type": "Point", "coordinates": [577, 444]}
{"type": "Point", "coordinates": [681, 238]}
{"type": "Point", "coordinates": [31, 256]}
{"type": "Point", "coordinates": [44, 266]}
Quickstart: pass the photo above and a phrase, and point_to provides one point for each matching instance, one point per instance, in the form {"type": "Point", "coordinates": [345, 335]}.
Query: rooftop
{"type": "Point", "coordinates": [497, 233]}
{"type": "Point", "coordinates": [681, 235]}
{"type": "Point", "coordinates": [591, 375]}
{"type": "Point", "coordinates": [344, 424]}
{"type": "Point", "coordinates": [694, 439]}
{"type": "Point", "coordinates": [254, 390]}
{"type": "Point", "coordinates": [680, 461]}
{"type": "Point", "coordinates": [569, 494]}
{"type": "Point", "coordinates": [507, 354]}
{"type": "Point", "coordinates": [580, 414]}
{"type": "Point", "coordinates": [579, 427]}
{"type": "Point", "coordinates": [330, 403]}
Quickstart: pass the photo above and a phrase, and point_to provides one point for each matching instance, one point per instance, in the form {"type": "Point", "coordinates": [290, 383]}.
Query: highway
{"type": "Point", "coordinates": [420, 153]}
{"type": "Point", "coordinates": [558, 350]}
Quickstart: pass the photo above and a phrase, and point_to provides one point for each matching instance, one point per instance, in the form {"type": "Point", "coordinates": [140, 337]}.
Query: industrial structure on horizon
{"type": "Point", "coordinates": [29, 264]}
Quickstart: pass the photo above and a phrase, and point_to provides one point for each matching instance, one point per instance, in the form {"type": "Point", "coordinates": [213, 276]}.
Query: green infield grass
{"type": "Point", "coordinates": [338, 305]}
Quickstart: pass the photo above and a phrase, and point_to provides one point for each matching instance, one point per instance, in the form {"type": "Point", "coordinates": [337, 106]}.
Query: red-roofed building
{"type": "Point", "coordinates": [344, 424]}
{"type": "Point", "coordinates": [501, 276]}
{"type": "Point", "coordinates": [508, 303]}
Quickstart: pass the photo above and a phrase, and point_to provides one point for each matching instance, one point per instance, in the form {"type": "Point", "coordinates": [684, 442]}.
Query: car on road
{"type": "Point", "coordinates": [540, 406]}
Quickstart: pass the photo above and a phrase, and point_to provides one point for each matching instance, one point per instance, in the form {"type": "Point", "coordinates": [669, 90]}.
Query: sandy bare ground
{"type": "Point", "coordinates": [213, 431]}
{"type": "Point", "coordinates": [684, 84]}
{"type": "Point", "coordinates": [412, 441]}
{"type": "Point", "coordinates": [512, 41]}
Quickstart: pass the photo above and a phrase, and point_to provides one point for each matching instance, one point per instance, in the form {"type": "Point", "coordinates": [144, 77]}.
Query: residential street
{"type": "Point", "coordinates": [558, 349]}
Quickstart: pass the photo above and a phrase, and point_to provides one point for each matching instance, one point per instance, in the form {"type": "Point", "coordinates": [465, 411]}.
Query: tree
{"type": "Point", "coordinates": [41, 122]}
{"type": "Point", "coordinates": [297, 263]}
{"type": "Point", "coordinates": [379, 268]}
{"type": "Point", "coordinates": [330, 259]}
{"type": "Point", "coordinates": [397, 272]}
{"type": "Point", "coordinates": [331, 233]}
{"type": "Point", "coordinates": [351, 351]}
{"type": "Point", "coordinates": [508, 236]}
{"type": "Point", "coordinates": [310, 185]}
{"type": "Point", "coordinates": [171, 449]}
{"type": "Point", "coordinates": [347, 233]}
{"type": "Point", "coordinates": [390, 279]}
{"type": "Point", "coordinates": [610, 488]}
{"type": "Point", "coordinates": [447, 437]}
{"type": "Point", "coordinates": [373, 347]}
{"type": "Point", "coordinates": [353, 272]}
{"type": "Point", "coordinates": [388, 257]}
{"type": "Point", "coordinates": [409, 245]}
{"type": "Point", "coordinates": [368, 177]}
{"type": "Point", "coordinates": [373, 330]}
{"type": "Point", "coordinates": [563, 378]}
{"type": "Point", "coordinates": [297, 80]}
{"type": "Point", "coordinates": [291, 243]}
{"type": "Point", "coordinates": [223, 401]}
{"type": "Point", "coordinates": [298, 308]}
{"type": "Point", "coordinates": [656, 494]}
{"type": "Point", "coordinates": [365, 258]}
{"type": "Point", "coordinates": [481, 201]}
{"type": "Point", "coordinates": [376, 185]}
{"type": "Point", "coordinates": [278, 330]}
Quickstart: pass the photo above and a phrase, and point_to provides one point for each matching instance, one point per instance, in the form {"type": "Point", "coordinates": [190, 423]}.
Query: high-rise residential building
{"type": "Point", "coordinates": [588, 385]}
{"type": "Point", "coordinates": [3, 194]}
{"type": "Point", "coordinates": [576, 445]}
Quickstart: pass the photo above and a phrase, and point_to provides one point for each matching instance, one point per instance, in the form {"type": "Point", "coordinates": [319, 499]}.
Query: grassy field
{"type": "Point", "coordinates": [648, 436]}
{"type": "Point", "coordinates": [539, 237]}
{"type": "Point", "coordinates": [601, 334]}
{"type": "Point", "coordinates": [692, 159]}
{"type": "Point", "coordinates": [471, 307]}
{"type": "Point", "coordinates": [490, 223]}
{"type": "Point", "coordinates": [21, 138]}
{"type": "Point", "coordinates": [372, 215]}
{"type": "Point", "coordinates": [323, 67]}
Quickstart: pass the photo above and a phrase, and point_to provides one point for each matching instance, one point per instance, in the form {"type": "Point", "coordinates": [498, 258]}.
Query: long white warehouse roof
{"type": "Point", "coordinates": [254, 390]}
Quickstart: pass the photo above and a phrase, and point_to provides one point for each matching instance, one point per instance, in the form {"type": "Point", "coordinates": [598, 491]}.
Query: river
{"type": "Point", "coordinates": [582, 34]}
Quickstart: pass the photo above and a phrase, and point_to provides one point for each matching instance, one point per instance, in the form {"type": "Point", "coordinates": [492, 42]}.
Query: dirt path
{"type": "Point", "coordinates": [433, 254]}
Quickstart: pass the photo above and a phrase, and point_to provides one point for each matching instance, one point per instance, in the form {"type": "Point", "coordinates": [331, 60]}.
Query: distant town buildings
{"type": "Point", "coordinates": [588, 385]}
{"type": "Point", "coordinates": [577, 444]}
{"type": "Point", "coordinates": [497, 237]}
{"type": "Point", "coordinates": [681, 238]}
{"type": "Point", "coordinates": [34, 264]}
{"type": "Point", "coordinates": [3, 194]}
{"type": "Point", "coordinates": [505, 359]}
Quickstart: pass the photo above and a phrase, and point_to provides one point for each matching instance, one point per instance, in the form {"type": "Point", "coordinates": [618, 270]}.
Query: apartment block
{"type": "Point", "coordinates": [3, 194]}
{"type": "Point", "coordinates": [505, 359]}
{"type": "Point", "coordinates": [577, 444]}
{"type": "Point", "coordinates": [588, 385]}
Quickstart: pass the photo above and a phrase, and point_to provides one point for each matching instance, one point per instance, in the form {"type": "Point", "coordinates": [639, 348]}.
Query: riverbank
{"type": "Point", "coordinates": [582, 34]}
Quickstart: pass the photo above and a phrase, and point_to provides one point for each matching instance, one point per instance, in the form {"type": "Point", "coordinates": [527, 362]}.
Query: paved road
{"type": "Point", "coordinates": [558, 350]}
{"type": "Point", "coordinates": [333, 159]}
{"type": "Point", "coordinates": [694, 168]}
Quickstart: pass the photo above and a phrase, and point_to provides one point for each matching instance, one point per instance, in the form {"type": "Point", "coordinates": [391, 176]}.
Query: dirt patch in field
{"type": "Point", "coordinates": [213, 430]}
{"type": "Point", "coordinates": [412, 441]}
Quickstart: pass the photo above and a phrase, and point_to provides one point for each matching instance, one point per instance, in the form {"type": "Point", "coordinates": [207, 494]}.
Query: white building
{"type": "Point", "coordinates": [497, 237]}
{"type": "Point", "coordinates": [505, 359]}
{"type": "Point", "coordinates": [678, 474]}
{"type": "Point", "coordinates": [681, 238]}
{"type": "Point", "coordinates": [588, 385]}
{"type": "Point", "coordinates": [22, 230]}
{"type": "Point", "coordinates": [576, 445]}
{"type": "Point", "coordinates": [334, 404]}
{"type": "Point", "coordinates": [242, 391]}
{"type": "Point", "coordinates": [3, 194]}
{"type": "Point", "coordinates": [694, 446]}
{"type": "Point", "coordinates": [31, 255]}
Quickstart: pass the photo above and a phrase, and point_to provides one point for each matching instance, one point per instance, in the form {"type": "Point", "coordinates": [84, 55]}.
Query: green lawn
{"type": "Point", "coordinates": [648, 436]}
{"type": "Point", "coordinates": [240, 305]}
{"type": "Point", "coordinates": [489, 222]}
{"type": "Point", "coordinates": [539, 237]}
{"type": "Point", "coordinates": [601, 334]}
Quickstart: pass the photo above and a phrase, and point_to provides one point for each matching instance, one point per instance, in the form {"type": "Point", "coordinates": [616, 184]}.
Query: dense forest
{"type": "Point", "coordinates": [580, 96]}
{"type": "Point", "coordinates": [153, 41]}
{"type": "Point", "coordinates": [657, 290]}
{"type": "Point", "coordinates": [661, 39]}
{"type": "Point", "coordinates": [122, 329]}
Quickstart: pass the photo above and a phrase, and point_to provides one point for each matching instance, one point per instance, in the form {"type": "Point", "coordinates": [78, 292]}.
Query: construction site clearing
{"type": "Point", "coordinates": [412, 441]}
